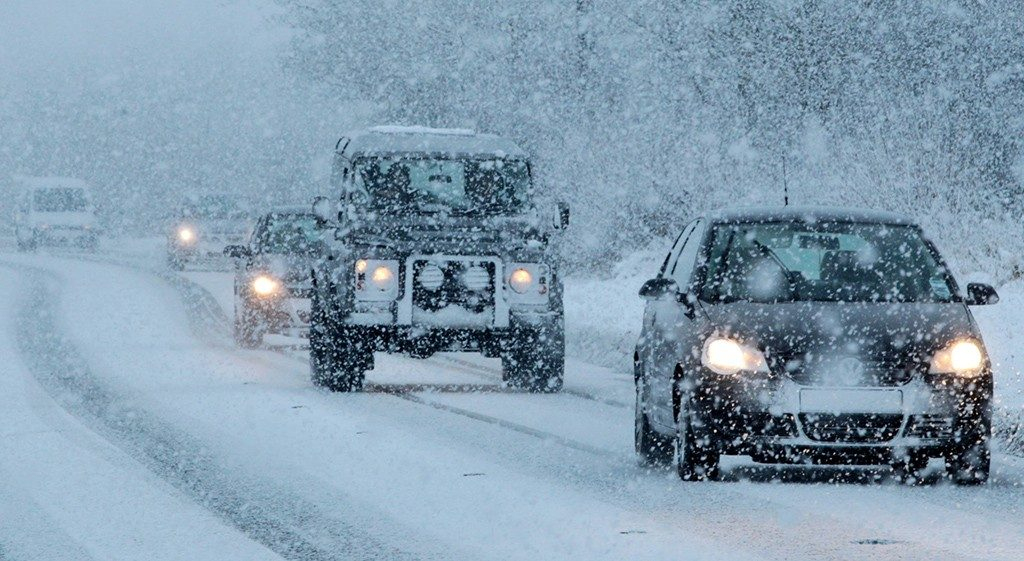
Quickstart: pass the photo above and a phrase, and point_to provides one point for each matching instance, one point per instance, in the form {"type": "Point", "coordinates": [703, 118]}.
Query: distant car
{"type": "Point", "coordinates": [202, 227]}
{"type": "Point", "coordinates": [55, 211]}
{"type": "Point", "coordinates": [272, 276]}
{"type": "Point", "coordinates": [804, 334]}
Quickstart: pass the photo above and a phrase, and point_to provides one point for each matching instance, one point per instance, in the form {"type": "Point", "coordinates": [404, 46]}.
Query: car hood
{"type": "Point", "coordinates": [878, 330]}
{"type": "Point", "coordinates": [292, 269]}
{"type": "Point", "coordinates": [451, 234]}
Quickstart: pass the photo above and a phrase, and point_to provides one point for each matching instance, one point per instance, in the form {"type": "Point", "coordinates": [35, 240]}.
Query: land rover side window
{"type": "Point", "coordinates": [824, 262]}
{"type": "Point", "coordinates": [469, 186]}
{"type": "Point", "coordinates": [682, 269]}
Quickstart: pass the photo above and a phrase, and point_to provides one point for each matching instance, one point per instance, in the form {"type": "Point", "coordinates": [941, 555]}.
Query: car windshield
{"type": "Point", "coordinates": [214, 208]}
{"type": "Point", "coordinates": [60, 199]}
{"type": "Point", "coordinates": [295, 233]}
{"type": "Point", "coordinates": [461, 186]}
{"type": "Point", "coordinates": [825, 262]}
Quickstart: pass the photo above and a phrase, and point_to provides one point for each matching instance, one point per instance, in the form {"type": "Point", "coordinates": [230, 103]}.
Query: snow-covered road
{"type": "Point", "coordinates": [133, 428]}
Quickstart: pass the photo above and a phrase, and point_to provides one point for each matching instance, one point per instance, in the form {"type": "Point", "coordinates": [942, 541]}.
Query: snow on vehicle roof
{"type": "Point", "coordinates": [291, 209]}
{"type": "Point", "coordinates": [50, 182]}
{"type": "Point", "coordinates": [807, 214]}
{"type": "Point", "coordinates": [383, 140]}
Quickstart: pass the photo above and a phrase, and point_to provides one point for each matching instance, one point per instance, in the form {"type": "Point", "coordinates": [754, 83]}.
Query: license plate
{"type": "Point", "coordinates": [847, 400]}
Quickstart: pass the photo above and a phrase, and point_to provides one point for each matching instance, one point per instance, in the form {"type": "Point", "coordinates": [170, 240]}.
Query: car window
{"type": "Point", "coordinates": [824, 262]}
{"type": "Point", "coordinates": [670, 259]}
{"type": "Point", "coordinates": [682, 269]}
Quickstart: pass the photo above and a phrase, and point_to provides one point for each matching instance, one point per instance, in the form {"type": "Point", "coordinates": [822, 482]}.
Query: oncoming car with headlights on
{"type": "Point", "coordinates": [811, 335]}
{"type": "Point", "coordinates": [433, 242]}
{"type": "Point", "coordinates": [202, 227]}
{"type": "Point", "coordinates": [272, 276]}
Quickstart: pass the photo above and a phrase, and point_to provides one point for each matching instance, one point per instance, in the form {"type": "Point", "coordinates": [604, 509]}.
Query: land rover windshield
{"type": "Point", "coordinates": [823, 262]}
{"type": "Point", "coordinates": [402, 185]}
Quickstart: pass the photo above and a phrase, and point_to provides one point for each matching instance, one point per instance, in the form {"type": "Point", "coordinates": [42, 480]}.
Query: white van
{"type": "Point", "coordinates": [54, 211]}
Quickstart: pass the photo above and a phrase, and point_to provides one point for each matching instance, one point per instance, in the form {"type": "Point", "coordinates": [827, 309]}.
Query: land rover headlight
{"type": "Point", "coordinates": [963, 357]}
{"type": "Point", "coordinates": [376, 279]}
{"type": "Point", "coordinates": [186, 235]}
{"type": "Point", "coordinates": [728, 356]}
{"type": "Point", "coordinates": [264, 286]}
{"type": "Point", "coordinates": [529, 282]}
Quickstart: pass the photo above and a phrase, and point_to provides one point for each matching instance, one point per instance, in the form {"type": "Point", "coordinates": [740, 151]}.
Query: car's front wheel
{"type": "Point", "coordinates": [338, 360]}
{"type": "Point", "coordinates": [652, 448]}
{"type": "Point", "coordinates": [970, 461]}
{"type": "Point", "coordinates": [248, 330]}
{"type": "Point", "coordinates": [697, 457]}
{"type": "Point", "coordinates": [535, 360]}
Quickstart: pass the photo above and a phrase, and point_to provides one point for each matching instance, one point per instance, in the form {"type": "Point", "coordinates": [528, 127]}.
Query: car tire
{"type": "Point", "coordinates": [175, 263]}
{"type": "Point", "coordinates": [909, 468]}
{"type": "Point", "coordinates": [248, 334]}
{"type": "Point", "coordinates": [535, 360]}
{"type": "Point", "coordinates": [652, 448]}
{"type": "Point", "coordinates": [697, 457]}
{"type": "Point", "coordinates": [971, 461]}
{"type": "Point", "coordinates": [337, 359]}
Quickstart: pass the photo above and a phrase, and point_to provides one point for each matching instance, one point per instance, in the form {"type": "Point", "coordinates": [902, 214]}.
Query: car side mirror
{"type": "Point", "coordinates": [980, 294]}
{"type": "Point", "coordinates": [659, 288]}
{"type": "Point", "coordinates": [325, 210]}
{"type": "Point", "coordinates": [237, 251]}
{"type": "Point", "coordinates": [563, 215]}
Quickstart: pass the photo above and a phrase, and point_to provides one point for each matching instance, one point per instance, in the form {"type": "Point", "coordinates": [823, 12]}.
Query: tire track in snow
{"type": "Point", "coordinates": [287, 525]}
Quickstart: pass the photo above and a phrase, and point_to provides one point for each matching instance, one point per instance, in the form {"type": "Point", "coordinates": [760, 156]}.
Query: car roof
{"type": "Point", "coordinates": [50, 182]}
{"type": "Point", "coordinates": [290, 209]}
{"type": "Point", "coordinates": [807, 214]}
{"type": "Point", "coordinates": [388, 140]}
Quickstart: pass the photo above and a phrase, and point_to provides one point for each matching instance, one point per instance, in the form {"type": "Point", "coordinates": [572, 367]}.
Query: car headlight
{"type": "Point", "coordinates": [529, 282]}
{"type": "Point", "coordinates": [186, 235]}
{"type": "Point", "coordinates": [728, 356]}
{"type": "Point", "coordinates": [264, 286]}
{"type": "Point", "coordinates": [376, 279]}
{"type": "Point", "coordinates": [963, 357]}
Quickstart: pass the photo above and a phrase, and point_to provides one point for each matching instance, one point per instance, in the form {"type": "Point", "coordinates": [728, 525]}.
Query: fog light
{"type": "Point", "coordinates": [265, 286]}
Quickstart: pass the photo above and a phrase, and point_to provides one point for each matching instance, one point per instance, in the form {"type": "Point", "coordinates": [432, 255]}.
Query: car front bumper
{"type": "Point", "coordinates": [779, 419]}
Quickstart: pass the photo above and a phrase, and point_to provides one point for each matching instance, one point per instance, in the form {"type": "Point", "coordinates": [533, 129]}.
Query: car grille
{"type": "Point", "coordinates": [438, 284]}
{"type": "Point", "coordinates": [930, 426]}
{"type": "Point", "coordinates": [851, 428]}
{"type": "Point", "coordinates": [835, 373]}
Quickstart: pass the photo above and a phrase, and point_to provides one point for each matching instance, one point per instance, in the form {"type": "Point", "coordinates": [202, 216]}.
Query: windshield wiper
{"type": "Point", "coordinates": [790, 274]}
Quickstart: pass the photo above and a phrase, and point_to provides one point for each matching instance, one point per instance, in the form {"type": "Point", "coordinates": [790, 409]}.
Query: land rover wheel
{"type": "Point", "coordinates": [970, 461]}
{"type": "Point", "coordinates": [697, 457]}
{"type": "Point", "coordinates": [652, 448]}
{"type": "Point", "coordinates": [337, 360]}
{"type": "Point", "coordinates": [535, 360]}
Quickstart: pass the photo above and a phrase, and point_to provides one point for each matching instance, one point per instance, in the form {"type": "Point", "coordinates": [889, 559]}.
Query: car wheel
{"type": "Point", "coordinates": [337, 360]}
{"type": "Point", "coordinates": [535, 360]}
{"type": "Point", "coordinates": [248, 332]}
{"type": "Point", "coordinates": [652, 448]}
{"type": "Point", "coordinates": [971, 461]}
{"type": "Point", "coordinates": [909, 468]}
{"type": "Point", "coordinates": [175, 263]}
{"type": "Point", "coordinates": [697, 459]}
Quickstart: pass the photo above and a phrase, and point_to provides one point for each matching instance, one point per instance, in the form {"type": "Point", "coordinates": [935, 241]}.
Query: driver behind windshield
{"type": "Point", "coordinates": [445, 185]}
{"type": "Point", "coordinates": [777, 262]}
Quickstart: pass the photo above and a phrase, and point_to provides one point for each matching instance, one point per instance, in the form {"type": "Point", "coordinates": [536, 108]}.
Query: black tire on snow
{"type": "Point", "coordinates": [652, 449]}
{"type": "Point", "coordinates": [535, 360]}
{"type": "Point", "coordinates": [175, 263]}
{"type": "Point", "coordinates": [909, 468]}
{"type": "Point", "coordinates": [338, 361]}
{"type": "Point", "coordinates": [248, 333]}
{"type": "Point", "coordinates": [971, 461]}
{"type": "Point", "coordinates": [697, 457]}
